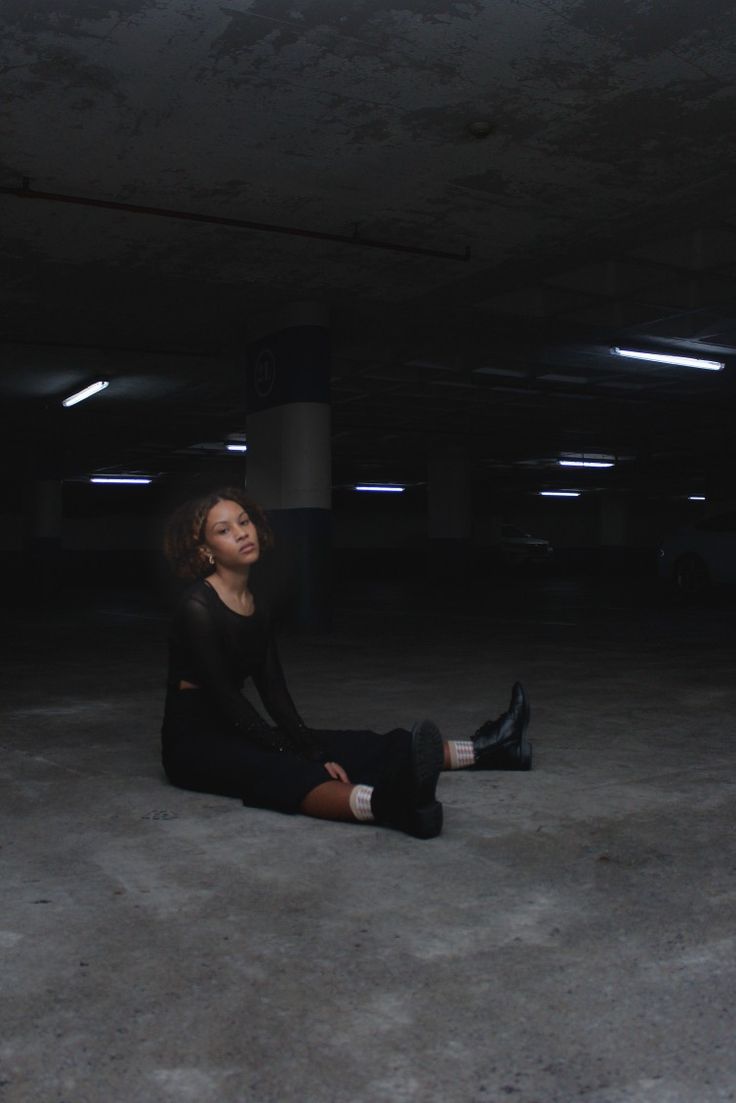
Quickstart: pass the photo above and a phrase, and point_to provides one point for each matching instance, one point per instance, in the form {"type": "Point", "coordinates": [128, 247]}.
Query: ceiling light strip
{"type": "Point", "coordinates": [128, 480]}
{"type": "Point", "coordinates": [668, 358]}
{"type": "Point", "coordinates": [585, 463]}
{"type": "Point", "coordinates": [87, 392]}
{"type": "Point", "coordinates": [380, 488]}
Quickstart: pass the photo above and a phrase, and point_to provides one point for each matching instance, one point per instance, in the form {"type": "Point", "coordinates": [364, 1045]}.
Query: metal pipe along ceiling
{"type": "Point", "coordinates": [26, 192]}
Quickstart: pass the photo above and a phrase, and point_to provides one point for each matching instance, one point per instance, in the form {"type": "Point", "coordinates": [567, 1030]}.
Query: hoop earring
{"type": "Point", "coordinates": [210, 559]}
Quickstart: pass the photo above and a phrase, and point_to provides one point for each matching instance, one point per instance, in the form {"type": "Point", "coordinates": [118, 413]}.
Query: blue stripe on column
{"type": "Point", "coordinates": [297, 575]}
{"type": "Point", "coordinates": [292, 365]}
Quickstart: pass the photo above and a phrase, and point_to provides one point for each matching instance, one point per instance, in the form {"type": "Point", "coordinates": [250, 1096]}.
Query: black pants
{"type": "Point", "coordinates": [201, 752]}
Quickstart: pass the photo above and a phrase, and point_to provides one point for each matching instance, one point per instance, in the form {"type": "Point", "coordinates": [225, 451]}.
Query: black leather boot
{"type": "Point", "coordinates": [502, 744]}
{"type": "Point", "coordinates": [406, 799]}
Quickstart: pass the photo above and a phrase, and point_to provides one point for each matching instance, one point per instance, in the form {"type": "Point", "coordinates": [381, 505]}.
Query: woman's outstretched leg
{"type": "Point", "coordinates": [337, 800]}
{"type": "Point", "coordinates": [498, 744]}
{"type": "Point", "coordinates": [403, 799]}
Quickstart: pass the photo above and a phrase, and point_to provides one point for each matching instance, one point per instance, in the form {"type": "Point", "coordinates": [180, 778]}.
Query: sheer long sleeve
{"type": "Point", "coordinates": [202, 638]}
{"type": "Point", "coordinates": [271, 685]}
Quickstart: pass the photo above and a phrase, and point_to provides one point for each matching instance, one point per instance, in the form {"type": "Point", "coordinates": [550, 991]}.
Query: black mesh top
{"type": "Point", "coordinates": [217, 649]}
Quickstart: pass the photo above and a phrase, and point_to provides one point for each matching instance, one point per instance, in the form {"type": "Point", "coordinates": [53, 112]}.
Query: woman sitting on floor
{"type": "Point", "coordinates": [214, 740]}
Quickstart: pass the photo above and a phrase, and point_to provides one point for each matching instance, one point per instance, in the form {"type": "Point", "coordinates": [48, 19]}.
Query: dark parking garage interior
{"type": "Point", "coordinates": [374, 244]}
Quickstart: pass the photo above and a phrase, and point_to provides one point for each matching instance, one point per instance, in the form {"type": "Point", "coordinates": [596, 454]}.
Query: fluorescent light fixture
{"type": "Point", "coordinates": [80, 396]}
{"type": "Point", "coordinates": [666, 358]}
{"type": "Point", "coordinates": [559, 493]}
{"type": "Point", "coordinates": [132, 480]}
{"type": "Point", "coordinates": [237, 447]}
{"type": "Point", "coordinates": [380, 488]}
{"type": "Point", "coordinates": [585, 463]}
{"type": "Point", "coordinates": [696, 498]}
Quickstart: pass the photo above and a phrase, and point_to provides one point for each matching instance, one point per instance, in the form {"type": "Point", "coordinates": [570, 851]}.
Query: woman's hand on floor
{"type": "Point", "coordinates": [336, 772]}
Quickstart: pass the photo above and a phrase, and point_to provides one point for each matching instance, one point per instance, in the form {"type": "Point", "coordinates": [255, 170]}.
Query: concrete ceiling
{"type": "Point", "coordinates": [599, 210]}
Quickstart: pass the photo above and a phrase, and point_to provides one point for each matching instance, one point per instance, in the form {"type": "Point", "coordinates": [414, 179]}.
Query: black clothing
{"type": "Point", "coordinates": [214, 740]}
{"type": "Point", "coordinates": [217, 649]}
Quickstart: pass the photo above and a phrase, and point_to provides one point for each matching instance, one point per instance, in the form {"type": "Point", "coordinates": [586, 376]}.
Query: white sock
{"type": "Point", "coordinates": [360, 802]}
{"type": "Point", "coordinates": [462, 753]}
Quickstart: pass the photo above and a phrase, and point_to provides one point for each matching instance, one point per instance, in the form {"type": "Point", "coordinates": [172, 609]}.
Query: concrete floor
{"type": "Point", "coordinates": [570, 936]}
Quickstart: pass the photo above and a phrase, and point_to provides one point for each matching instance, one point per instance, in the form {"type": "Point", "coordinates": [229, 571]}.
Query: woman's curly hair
{"type": "Point", "coordinates": [184, 535]}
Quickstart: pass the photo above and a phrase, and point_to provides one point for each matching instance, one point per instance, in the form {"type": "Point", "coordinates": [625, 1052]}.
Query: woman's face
{"type": "Point", "coordinates": [230, 536]}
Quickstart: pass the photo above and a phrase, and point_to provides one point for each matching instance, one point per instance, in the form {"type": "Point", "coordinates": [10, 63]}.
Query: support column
{"type": "Point", "coordinates": [42, 535]}
{"type": "Point", "coordinates": [450, 515]}
{"type": "Point", "coordinates": [614, 529]}
{"type": "Point", "coordinates": [289, 460]}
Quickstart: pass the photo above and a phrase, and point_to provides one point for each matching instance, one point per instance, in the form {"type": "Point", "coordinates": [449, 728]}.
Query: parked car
{"type": "Point", "coordinates": [701, 556]}
{"type": "Point", "coordinates": [514, 546]}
